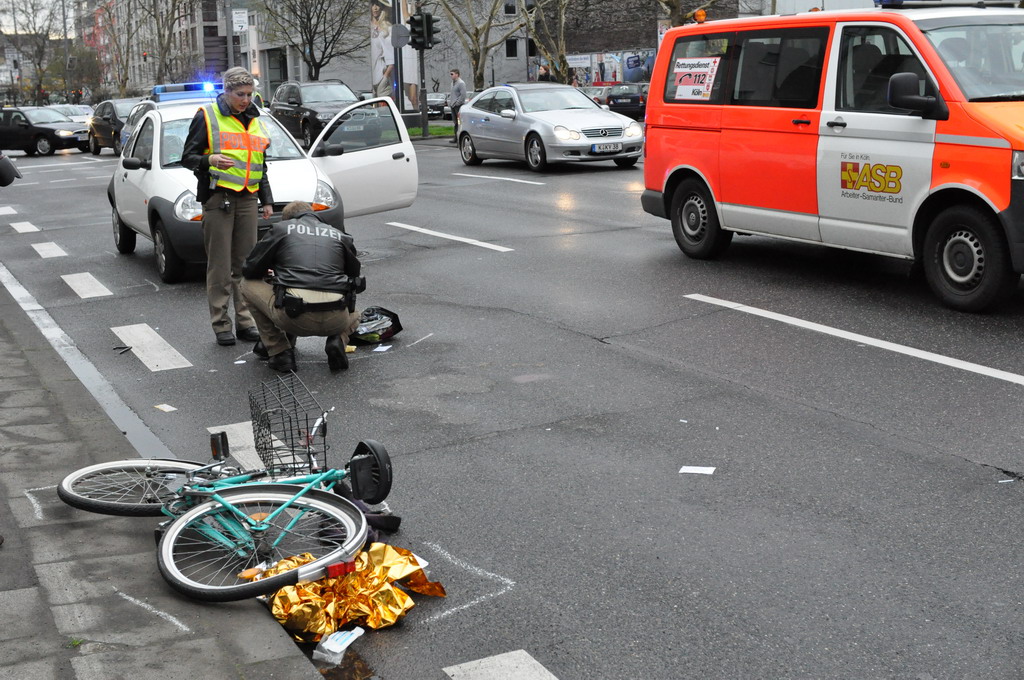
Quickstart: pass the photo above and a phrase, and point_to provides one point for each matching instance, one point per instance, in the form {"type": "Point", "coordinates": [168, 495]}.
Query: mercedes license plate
{"type": "Point", "coordinates": [617, 101]}
{"type": "Point", "coordinates": [609, 147]}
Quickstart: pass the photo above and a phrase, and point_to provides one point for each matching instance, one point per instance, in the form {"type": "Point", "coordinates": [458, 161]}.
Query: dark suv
{"type": "Point", "coordinates": [305, 108]}
{"type": "Point", "coordinates": [106, 123]}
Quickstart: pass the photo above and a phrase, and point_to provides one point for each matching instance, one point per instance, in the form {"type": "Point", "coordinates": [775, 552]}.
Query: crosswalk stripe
{"type": "Point", "coordinates": [49, 249]}
{"type": "Point", "coordinates": [24, 227]}
{"type": "Point", "coordinates": [86, 285]}
{"type": "Point", "coordinates": [518, 664]}
{"type": "Point", "coordinates": [7, 210]}
{"type": "Point", "coordinates": [242, 444]}
{"type": "Point", "coordinates": [151, 349]}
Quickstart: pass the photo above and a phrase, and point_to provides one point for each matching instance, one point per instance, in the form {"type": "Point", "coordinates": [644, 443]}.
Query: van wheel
{"type": "Point", "coordinates": [169, 266]}
{"type": "Point", "coordinates": [695, 222]}
{"type": "Point", "coordinates": [965, 260]}
{"type": "Point", "coordinates": [124, 236]}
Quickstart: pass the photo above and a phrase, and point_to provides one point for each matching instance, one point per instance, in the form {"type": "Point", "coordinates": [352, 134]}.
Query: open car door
{"type": "Point", "coordinates": [376, 169]}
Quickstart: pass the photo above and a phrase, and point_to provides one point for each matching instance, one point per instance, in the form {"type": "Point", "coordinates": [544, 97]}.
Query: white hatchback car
{"type": "Point", "coordinates": [346, 173]}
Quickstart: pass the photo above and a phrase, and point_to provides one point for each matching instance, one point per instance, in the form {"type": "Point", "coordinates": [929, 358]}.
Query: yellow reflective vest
{"type": "Point", "coordinates": [226, 135]}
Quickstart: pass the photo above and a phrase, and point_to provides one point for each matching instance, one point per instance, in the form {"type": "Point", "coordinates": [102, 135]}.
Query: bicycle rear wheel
{"type": "Point", "coordinates": [204, 551]}
{"type": "Point", "coordinates": [132, 488]}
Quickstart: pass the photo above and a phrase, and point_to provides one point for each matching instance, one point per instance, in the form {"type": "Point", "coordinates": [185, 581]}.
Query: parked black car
{"type": "Point", "coordinates": [627, 99]}
{"type": "Point", "coordinates": [38, 129]}
{"type": "Point", "coordinates": [107, 121]}
{"type": "Point", "coordinates": [305, 108]}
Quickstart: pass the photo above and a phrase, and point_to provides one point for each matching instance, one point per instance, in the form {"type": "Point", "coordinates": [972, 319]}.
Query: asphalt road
{"type": "Point", "coordinates": [861, 517]}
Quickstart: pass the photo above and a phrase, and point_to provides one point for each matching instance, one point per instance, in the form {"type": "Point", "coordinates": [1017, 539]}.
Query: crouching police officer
{"type": "Point", "coordinates": [301, 279]}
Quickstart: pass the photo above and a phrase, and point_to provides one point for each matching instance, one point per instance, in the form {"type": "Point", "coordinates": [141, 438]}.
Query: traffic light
{"type": "Point", "coordinates": [145, 56]}
{"type": "Point", "coordinates": [429, 30]}
{"type": "Point", "coordinates": [417, 31]}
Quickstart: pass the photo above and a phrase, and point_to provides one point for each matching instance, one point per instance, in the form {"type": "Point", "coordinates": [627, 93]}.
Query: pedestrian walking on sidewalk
{"type": "Point", "coordinates": [456, 98]}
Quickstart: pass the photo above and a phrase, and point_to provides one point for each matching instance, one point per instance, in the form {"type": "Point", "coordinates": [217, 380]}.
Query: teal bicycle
{"type": "Point", "coordinates": [226, 526]}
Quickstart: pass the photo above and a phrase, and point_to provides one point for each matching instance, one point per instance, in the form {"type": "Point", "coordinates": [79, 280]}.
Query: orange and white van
{"type": "Point", "coordinates": [896, 131]}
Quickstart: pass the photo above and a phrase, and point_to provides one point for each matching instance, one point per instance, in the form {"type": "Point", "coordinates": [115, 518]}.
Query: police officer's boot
{"type": "Point", "coordinates": [336, 357]}
{"type": "Point", "coordinates": [283, 362]}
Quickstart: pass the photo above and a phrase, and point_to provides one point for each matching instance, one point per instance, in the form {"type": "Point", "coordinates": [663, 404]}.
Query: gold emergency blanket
{"type": "Point", "coordinates": [369, 596]}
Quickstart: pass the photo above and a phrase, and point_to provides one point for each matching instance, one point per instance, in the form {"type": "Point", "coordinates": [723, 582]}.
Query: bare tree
{"type": "Point", "coordinates": [547, 21]}
{"type": "Point", "coordinates": [117, 23]}
{"type": "Point", "coordinates": [163, 18]}
{"type": "Point", "coordinates": [320, 31]}
{"type": "Point", "coordinates": [33, 21]}
{"type": "Point", "coordinates": [474, 23]}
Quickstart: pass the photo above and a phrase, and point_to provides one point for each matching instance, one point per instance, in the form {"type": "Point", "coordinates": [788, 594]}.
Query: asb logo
{"type": "Point", "coordinates": [879, 178]}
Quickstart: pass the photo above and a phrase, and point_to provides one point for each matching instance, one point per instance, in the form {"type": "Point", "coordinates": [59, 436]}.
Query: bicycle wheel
{"type": "Point", "coordinates": [203, 552]}
{"type": "Point", "coordinates": [132, 488]}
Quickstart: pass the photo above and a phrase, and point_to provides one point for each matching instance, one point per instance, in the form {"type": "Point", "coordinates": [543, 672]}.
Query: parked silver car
{"type": "Point", "coordinates": [545, 123]}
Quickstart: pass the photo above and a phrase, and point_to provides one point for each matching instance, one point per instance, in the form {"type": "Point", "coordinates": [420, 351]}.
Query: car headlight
{"type": "Point", "coordinates": [187, 208]}
{"type": "Point", "coordinates": [1017, 165]}
{"type": "Point", "coordinates": [634, 130]}
{"type": "Point", "coordinates": [324, 198]}
{"type": "Point", "coordinates": [565, 133]}
{"type": "Point", "coordinates": [65, 133]}
{"type": "Point", "coordinates": [324, 116]}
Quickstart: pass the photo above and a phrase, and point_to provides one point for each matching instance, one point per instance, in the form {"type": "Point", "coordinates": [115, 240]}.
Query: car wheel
{"type": "Point", "coordinates": [626, 162]}
{"type": "Point", "coordinates": [695, 222]}
{"type": "Point", "coordinates": [124, 237]}
{"type": "Point", "coordinates": [536, 156]}
{"type": "Point", "coordinates": [169, 266]}
{"type": "Point", "coordinates": [84, 147]}
{"type": "Point", "coordinates": [43, 146]}
{"type": "Point", "coordinates": [966, 261]}
{"type": "Point", "coordinates": [468, 151]}
{"type": "Point", "coordinates": [117, 143]}
{"type": "Point", "coordinates": [307, 136]}
{"type": "Point", "coordinates": [94, 145]}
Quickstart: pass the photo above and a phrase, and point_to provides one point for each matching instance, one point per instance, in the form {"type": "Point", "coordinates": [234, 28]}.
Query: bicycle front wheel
{"type": "Point", "coordinates": [204, 551]}
{"type": "Point", "coordinates": [130, 488]}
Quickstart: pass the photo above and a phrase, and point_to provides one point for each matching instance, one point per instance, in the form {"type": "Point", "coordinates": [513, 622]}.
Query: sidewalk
{"type": "Point", "coordinates": [80, 594]}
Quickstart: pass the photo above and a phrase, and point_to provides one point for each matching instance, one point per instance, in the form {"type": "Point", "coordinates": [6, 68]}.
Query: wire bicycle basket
{"type": "Point", "coordinates": [289, 426]}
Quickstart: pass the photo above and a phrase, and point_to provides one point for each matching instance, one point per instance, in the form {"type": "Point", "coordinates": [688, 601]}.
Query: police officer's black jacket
{"type": "Point", "coordinates": [305, 253]}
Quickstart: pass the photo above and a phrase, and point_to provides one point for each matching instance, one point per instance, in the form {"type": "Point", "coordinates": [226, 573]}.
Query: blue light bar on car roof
{"type": "Point", "coordinates": [167, 92]}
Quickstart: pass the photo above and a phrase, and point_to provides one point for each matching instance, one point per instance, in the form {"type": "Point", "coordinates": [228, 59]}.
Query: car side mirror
{"type": "Point", "coordinates": [334, 149]}
{"type": "Point", "coordinates": [131, 163]}
{"type": "Point", "coordinates": [106, 118]}
{"type": "Point", "coordinates": [903, 94]}
{"type": "Point", "coordinates": [507, 113]}
{"type": "Point", "coordinates": [293, 101]}
{"type": "Point", "coordinates": [605, 107]}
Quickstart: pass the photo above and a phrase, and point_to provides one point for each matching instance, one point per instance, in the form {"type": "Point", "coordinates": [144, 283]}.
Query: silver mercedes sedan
{"type": "Point", "coordinates": [544, 123]}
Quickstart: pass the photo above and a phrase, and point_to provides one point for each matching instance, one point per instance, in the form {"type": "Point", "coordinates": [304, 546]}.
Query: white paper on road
{"type": "Point", "coordinates": [151, 349]}
{"type": "Point", "coordinates": [696, 470]}
{"type": "Point", "coordinates": [49, 249]}
{"type": "Point", "coordinates": [86, 285]}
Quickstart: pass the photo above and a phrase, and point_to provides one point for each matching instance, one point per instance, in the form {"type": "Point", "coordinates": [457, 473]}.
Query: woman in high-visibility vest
{"type": "Point", "coordinates": [225, 149]}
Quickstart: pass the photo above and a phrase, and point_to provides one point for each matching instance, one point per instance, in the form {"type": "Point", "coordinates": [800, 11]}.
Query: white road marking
{"type": "Point", "coordinates": [695, 470]}
{"type": "Point", "coordinates": [153, 610]}
{"type": "Point", "coordinates": [470, 241]}
{"type": "Point", "coordinates": [508, 584]}
{"type": "Point", "coordinates": [86, 285]}
{"type": "Point", "coordinates": [166, 408]}
{"type": "Point", "coordinates": [505, 179]}
{"type": "Point", "coordinates": [241, 443]}
{"type": "Point", "coordinates": [26, 184]}
{"type": "Point", "coordinates": [49, 249]}
{"type": "Point", "coordinates": [37, 509]}
{"type": "Point", "coordinates": [517, 665]}
{"type": "Point", "coordinates": [65, 165]}
{"type": "Point", "coordinates": [105, 176]}
{"type": "Point", "coordinates": [151, 349]}
{"type": "Point", "coordinates": [57, 181]}
{"type": "Point", "coordinates": [24, 227]}
{"type": "Point", "coordinates": [8, 210]}
{"type": "Point", "coordinates": [867, 340]}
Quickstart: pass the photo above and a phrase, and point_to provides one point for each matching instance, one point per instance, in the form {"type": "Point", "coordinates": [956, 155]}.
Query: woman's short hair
{"type": "Point", "coordinates": [237, 77]}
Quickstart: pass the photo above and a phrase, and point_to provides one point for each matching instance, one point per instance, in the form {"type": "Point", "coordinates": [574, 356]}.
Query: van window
{"type": "Point", "coordinates": [698, 69]}
{"type": "Point", "coordinates": [869, 55]}
{"type": "Point", "coordinates": [779, 68]}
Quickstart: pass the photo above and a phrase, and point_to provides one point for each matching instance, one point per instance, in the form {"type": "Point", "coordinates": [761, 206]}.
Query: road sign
{"type": "Point", "coordinates": [399, 36]}
{"type": "Point", "coordinates": [240, 20]}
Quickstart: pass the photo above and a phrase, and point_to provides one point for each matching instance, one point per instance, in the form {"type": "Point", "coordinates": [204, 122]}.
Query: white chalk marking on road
{"type": "Point", "coordinates": [421, 339]}
{"type": "Point", "coordinates": [166, 408]}
{"type": "Point", "coordinates": [73, 179]}
{"type": "Point", "coordinates": [24, 227]}
{"type": "Point", "coordinates": [8, 210]}
{"type": "Point", "coordinates": [85, 285]}
{"type": "Point", "coordinates": [867, 340]}
{"type": "Point", "coordinates": [506, 179]}
{"type": "Point", "coordinates": [241, 443]}
{"type": "Point", "coordinates": [153, 610]}
{"type": "Point", "coordinates": [518, 664]}
{"type": "Point", "coordinates": [470, 241]}
{"type": "Point", "coordinates": [696, 470]}
{"type": "Point", "coordinates": [151, 349]}
{"type": "Point", "coordinates": [508, 584]}
{"type": "Point", "coordinates": [49, 249]}
{"type": "Point", "coordinates": [37, 509]}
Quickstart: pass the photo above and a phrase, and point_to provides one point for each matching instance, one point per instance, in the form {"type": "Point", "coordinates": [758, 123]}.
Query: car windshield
{"type": "Point", "coordinates": [173, 141]}
{"type": "Point", "coordinates": [37, 116]}
{"type": "Point", "coordinates": [67, 110]}
{"type": "Point", "coordinates": [555, 100]}
{"type": "Point", "coordinates": [987, 60]}
{"type": "Point", "coordinates": [333, 92]}
{"type": "Point", "coordinates": [124, 108]}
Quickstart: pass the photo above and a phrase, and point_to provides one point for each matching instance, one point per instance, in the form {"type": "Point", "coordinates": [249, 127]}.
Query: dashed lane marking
{"type": "Point", "coordinates": [504, 179]}
{"type": "Point", "coordinates": [470, 241]}
{"type": "Point", "coordinates": [86, 285]}
{"type": "Point", "coordinates": [7, 210]}
{"type": "Point", "coordinates": [49, 249]}
{"type": "Point", "coordinates": [866, 340]}
{"type": "Point", "coordinates": [151, 349]}
{"type": "Point", "coordinates": [24, 227]}
{"type": "Point", "coordinates": [518, 664]}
